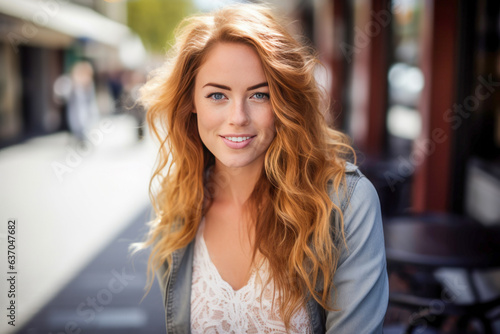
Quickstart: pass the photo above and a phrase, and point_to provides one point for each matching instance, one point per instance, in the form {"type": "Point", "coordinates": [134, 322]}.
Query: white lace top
{"type": "Point", "coordinates": [217, 308]}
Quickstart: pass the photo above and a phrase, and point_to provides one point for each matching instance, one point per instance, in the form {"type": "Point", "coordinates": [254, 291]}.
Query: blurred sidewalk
{"type": "Point", "coordinates": [107, 296]}
{"type": "Point", "coordinates": [69, 202]}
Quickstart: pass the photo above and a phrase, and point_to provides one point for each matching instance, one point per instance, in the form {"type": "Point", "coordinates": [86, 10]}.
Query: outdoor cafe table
{"type": "Point", "coordinates": [433, 241]}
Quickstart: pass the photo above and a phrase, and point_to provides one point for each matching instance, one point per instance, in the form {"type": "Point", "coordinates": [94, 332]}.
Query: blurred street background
{"type": "Point", "coordinates": [415, 83]}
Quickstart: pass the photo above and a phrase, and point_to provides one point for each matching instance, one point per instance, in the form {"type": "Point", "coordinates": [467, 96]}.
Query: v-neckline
{"type": "Point", "coordinates": [214, 267]}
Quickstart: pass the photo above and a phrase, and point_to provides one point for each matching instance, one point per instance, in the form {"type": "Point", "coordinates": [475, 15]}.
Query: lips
{"type": "Point", "coordinates": [237, 141]}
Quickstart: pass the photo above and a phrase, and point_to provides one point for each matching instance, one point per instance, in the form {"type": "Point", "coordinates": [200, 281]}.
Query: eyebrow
{"type": "Point", "coordinates": [262, 84]}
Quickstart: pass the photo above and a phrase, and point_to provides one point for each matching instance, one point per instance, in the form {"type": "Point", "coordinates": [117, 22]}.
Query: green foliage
{"type": "Point", "coordinates": [155, 20]}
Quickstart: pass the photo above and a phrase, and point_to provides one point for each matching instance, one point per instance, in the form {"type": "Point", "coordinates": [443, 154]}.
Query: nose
{"type": "Point", "coordinates": [238, 114]}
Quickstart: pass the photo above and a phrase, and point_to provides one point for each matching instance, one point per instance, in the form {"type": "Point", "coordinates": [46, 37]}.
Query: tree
{"type": "Point", "coordinates": [155, 20]}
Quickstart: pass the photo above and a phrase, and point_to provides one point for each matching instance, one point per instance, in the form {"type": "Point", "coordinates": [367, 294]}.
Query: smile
{"type": "Point", "coordinates": [237, 142]}
{"type": "Point", "coordinates": [237, 139]}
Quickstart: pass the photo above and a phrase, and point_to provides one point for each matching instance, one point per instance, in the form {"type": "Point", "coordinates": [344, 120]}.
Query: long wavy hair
{"type": "Point", "coordinates": [291, 206]}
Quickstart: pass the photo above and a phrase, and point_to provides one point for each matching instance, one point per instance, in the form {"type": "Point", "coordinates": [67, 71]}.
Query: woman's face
{"type": "Point", "coordinates": [231, 99]}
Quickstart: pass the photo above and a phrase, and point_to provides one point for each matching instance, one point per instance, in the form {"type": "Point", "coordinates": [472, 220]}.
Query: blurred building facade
{"type": "Point", "coordinates": [416, 85]}
{"type": "Point", "coordinates": [40, 41]}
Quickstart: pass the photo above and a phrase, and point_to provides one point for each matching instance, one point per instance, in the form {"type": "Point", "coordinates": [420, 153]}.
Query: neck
{"type": "Point", "coordinates": [234, 185]}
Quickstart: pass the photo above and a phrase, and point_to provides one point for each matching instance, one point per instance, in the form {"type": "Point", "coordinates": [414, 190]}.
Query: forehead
{"type": "Point", "coordinates": [232, 63]}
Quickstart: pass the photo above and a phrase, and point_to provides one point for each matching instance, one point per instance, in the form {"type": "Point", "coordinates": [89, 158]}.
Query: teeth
{"type": "Point", "coordinates": [237, 139]}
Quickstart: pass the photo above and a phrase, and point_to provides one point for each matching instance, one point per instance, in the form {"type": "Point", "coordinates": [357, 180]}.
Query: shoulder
{"type": "Point", "coordinates": [358, 201]}
{"type": "Point", "coordinates": [360, 206]}
{"type": "Point", "coordinates": [355, 190]}
{"type": "Point", "coordinates": [359, 189]}
{"type": "Point", "coordinates": [352, 177]}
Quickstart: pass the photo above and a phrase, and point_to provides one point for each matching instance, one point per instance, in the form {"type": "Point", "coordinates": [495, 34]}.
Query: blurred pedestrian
{"type": "Point", "coordinates": [128, 102]}
{"type": "Point", "coordinates": [263, 225]}
{"type": "Point", "coordinates": [78, 91]}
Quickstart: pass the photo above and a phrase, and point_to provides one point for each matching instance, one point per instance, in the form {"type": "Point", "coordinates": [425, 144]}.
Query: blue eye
{"type": "Point", "coordinates": [216, 96]}
{"type": "Point", "coordinates": [261, 96]}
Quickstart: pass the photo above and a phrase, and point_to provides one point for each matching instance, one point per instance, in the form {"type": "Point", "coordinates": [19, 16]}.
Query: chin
{"type": "Point", "coordinates": [235, 163]}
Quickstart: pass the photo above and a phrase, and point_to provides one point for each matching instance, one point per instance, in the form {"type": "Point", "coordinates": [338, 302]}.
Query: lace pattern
{"type": "Point", "coordinates": [217, 308]}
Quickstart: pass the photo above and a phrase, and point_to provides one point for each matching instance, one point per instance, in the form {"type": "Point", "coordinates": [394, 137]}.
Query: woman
{"type": "Point", "coordinates": [262, 224]}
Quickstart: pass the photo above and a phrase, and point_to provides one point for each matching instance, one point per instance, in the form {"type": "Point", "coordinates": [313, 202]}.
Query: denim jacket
{"type": "Point", "coordinates": [361, 282]}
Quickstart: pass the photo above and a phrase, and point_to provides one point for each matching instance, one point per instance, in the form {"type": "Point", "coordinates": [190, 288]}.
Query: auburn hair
{"type": "Point", "coordinates": [298, 228]}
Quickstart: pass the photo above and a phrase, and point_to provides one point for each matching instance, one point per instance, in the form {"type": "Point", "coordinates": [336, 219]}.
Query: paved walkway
{"type": "Point", "coordinates": [69, 201]}
{"type": "Point", "coordinates": [106, 297]}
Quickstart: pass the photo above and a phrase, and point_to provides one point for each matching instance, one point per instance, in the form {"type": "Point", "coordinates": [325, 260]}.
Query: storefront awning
{"type": "Point", "coordinates": [52, 22]}
{"type": "Point", "coordinates": [67, 18]}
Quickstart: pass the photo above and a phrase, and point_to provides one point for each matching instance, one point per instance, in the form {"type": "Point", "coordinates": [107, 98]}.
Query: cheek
{"type": "Point", "coordinates": [204, 114]}
{"type": "Point", "coordinates": [206, 120]}
{"type": "Point", "coordinates": [268, 123]}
